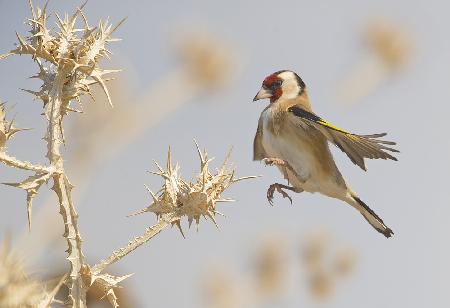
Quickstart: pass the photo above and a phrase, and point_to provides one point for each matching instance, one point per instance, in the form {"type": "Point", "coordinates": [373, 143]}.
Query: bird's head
{"type": "Point", "coordinates": [281, 85]}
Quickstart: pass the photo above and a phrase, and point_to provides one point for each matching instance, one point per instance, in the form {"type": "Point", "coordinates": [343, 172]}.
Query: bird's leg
{"type": "Point", "coordinates": [279, 187]}
{"type": "Point", "coordinates": [272, 161]}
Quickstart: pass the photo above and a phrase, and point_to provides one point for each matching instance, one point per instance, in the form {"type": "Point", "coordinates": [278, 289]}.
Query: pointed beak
{"type": "Point", "coordinates": [263, 93]}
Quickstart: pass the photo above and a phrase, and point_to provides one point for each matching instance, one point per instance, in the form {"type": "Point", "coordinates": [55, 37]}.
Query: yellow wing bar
{"type": "Point", "coordinates": [299, 112]}
{"type": "Point", "coordinates": [325, 123]}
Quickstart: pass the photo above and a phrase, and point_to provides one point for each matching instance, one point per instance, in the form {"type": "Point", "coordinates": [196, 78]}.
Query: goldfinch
{"type": "Point", "coordinates": [293, 138]}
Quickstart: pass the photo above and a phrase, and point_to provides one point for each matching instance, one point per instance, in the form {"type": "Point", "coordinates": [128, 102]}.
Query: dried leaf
{"type": "Point", "coordinates": [7, 129]}
{"type": "Point", "coordinates": [105, 282]}
{"type": "Point", "coordinates": [49, 297]}
{"type": "Point", "coordinates": [31, 185]}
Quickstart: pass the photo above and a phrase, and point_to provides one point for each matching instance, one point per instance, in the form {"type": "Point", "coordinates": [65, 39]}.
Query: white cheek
{"type": "Point", "coordinates": [290, 90]}
{"type": "Point", "coordinates": [290, 86]}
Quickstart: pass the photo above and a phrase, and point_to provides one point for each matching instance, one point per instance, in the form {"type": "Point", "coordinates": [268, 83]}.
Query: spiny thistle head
{"type": "Point", "coordinates": [192, 199]}
{"type": "Point", "coordinates": [68, 57]}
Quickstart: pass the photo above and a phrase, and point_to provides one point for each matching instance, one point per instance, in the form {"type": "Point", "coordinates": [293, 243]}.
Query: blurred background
{"type": "Point", "coordinates": [190, 70]}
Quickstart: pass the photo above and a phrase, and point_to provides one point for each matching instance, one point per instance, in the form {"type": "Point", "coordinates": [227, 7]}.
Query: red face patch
{"type": "Point", "coordinates": [270, 80]}
{"type": "Point", "coordinates": [273, 83]}
{"type": "Point", "coordinates": [276, 94]}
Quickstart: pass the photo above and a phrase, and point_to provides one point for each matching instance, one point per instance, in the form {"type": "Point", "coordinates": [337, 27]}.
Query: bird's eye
{"type": "Point", "coordinates": [276, 83]}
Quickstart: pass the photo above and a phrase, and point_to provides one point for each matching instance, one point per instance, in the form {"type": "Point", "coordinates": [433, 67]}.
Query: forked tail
{"type": "Point", "coordinates": [371, 217]}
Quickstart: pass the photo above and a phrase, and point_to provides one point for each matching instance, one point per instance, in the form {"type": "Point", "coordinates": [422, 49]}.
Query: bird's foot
{"type": "Point", "coordinates": [272, 161]}
{"type": "Point", "coordinates": [279, 187]}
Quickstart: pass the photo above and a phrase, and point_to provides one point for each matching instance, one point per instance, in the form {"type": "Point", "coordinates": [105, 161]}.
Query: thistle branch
{"type": "Point", "coordinates": [177, 199]}
{"type": "Point", "coordinates": [25, 165]}
{"type": "Point", "coordinates": [164, 222]}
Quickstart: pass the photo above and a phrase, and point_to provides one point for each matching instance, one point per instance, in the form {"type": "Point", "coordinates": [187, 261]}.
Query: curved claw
{"type": "Point", "coordinates": [284, 194]}
{"type": "Point", "coordinates": [270, 192]}
{"type": "Point", "coordinates": [279, 188]}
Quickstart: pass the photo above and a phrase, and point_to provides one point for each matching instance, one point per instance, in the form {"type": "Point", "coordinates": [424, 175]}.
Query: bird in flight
{"type": "Point", "coordinates": [296, 140]}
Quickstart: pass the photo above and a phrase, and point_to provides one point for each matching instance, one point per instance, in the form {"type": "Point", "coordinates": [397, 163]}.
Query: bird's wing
{"type": "Point", "coordinates": [258, 149]}
{"type": "Point", "coordinates": [357, 147]}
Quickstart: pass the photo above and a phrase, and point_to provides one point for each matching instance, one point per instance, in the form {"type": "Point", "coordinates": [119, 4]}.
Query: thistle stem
{"type": "Point", "coordinates": [63, 188]}
{"type": "Point", "coordinates": [165, 221]}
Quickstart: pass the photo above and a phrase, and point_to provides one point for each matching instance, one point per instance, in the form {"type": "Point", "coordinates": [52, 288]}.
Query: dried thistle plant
{"type": "Point", "coordinates": [204, 67]}
{"type": "Point", "coordinates": [390, 50]}
{"type": "Point", "coordinates": [68, 62]}
{"type": "Point", "coordinates": [177, 198]}
{"type": "Point", "coordinates": [180, 198]}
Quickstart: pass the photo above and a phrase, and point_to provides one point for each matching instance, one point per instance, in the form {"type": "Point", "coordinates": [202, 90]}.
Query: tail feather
{"type": "Point", "coordinates": [373, 218]}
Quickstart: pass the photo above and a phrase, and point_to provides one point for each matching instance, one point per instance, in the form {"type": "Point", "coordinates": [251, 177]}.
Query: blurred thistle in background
{"type": "Point", "coordinates": [389, 49]}
{"type": "Point", "coordinates": [17, 288]}
{"type": "Point", "coordinates": [271, 269]}
{"type": "Point", "coordinates": [277, 276]}
{"type": "Point", "coordinates": [222, 288]}
{"type": "Point", "coordinates": [265, 285]}
{"type": "Point", "coordinates": [323, 268]}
